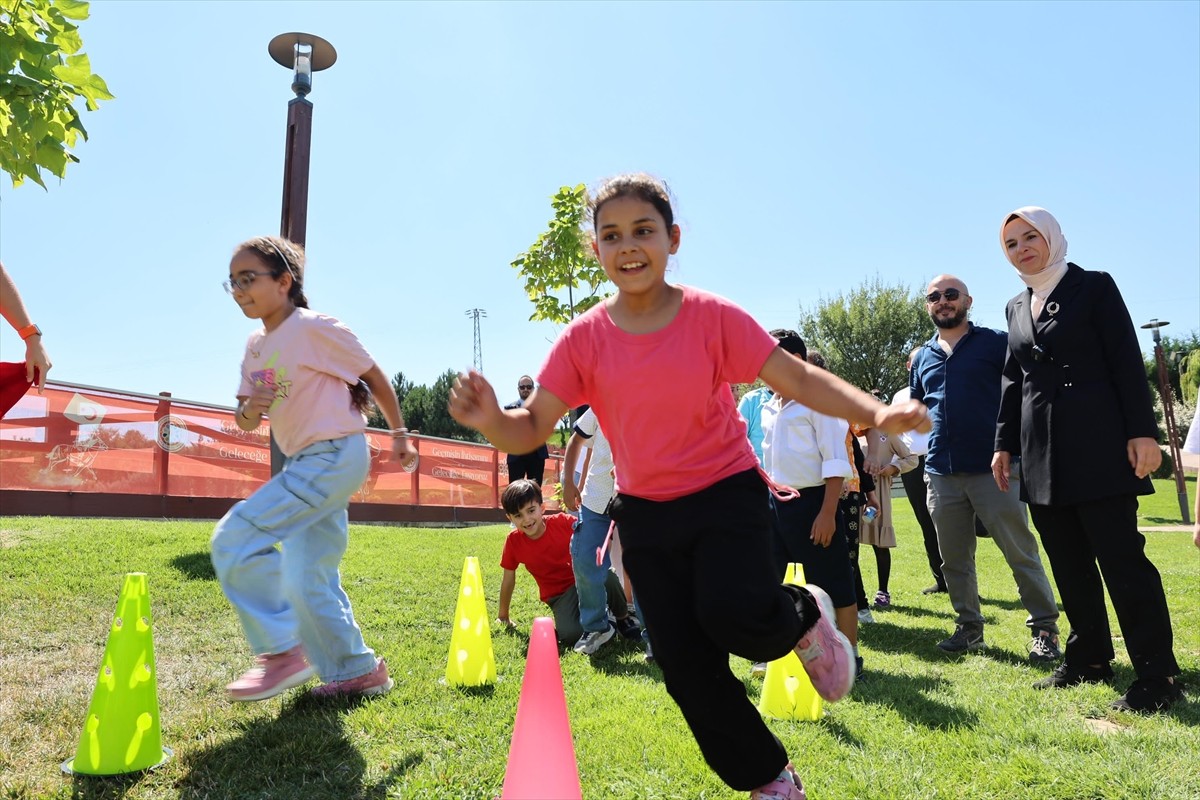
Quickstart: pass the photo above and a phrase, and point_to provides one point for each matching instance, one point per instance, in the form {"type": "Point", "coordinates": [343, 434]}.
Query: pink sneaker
{"type": "Point", "coordinates": [275, 673]}
{"type": "Point", "coordinates": [374, 682]}
{"type": "Point", "coordinates": [786, 787]}
{"type": "Point", "coordinates": [826, 654]}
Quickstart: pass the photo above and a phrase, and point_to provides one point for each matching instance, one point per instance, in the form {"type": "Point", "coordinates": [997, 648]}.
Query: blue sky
{"type": "Point", "coordinates": [810, 146]}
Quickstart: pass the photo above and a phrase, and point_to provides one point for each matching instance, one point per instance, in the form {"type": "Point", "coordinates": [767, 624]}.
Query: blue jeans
{"type": "Point", "coordinates": [292, 594]}
{"type": "Point", "coordinates": [590, 579]}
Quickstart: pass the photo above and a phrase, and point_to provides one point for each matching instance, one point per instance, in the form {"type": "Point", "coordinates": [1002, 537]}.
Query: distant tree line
{"type": "Point", "coordinates": [425, 409]}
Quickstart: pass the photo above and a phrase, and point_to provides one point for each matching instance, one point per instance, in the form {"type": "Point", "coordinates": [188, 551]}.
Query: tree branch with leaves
{"type": "Point", "coordinates": [42, 75]}
{"type": "Point", "coordinates": [561, 260]}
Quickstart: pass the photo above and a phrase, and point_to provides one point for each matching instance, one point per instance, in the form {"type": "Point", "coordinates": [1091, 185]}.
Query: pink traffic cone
{"type": "Point", "coordinates": [541, 760]}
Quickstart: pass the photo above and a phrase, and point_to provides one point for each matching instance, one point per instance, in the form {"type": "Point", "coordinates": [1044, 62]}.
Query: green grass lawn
{"type": "Point", "coordinates": [1162, 507]}
{"type": "Point", "coordinates": [922, 725]}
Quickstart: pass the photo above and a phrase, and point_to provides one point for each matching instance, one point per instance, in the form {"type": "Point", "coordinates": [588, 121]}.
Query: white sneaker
{"type": "Point", "coordinates": [591, 641]}
{"type": "Point", "coordinates": [865, 616]}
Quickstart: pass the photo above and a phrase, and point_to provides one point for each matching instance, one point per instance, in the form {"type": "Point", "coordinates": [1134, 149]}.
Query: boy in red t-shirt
{"type": "Point", "coordinates": [543, 544]}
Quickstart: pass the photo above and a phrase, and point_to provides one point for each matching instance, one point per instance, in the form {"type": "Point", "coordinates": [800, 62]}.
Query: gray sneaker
{"type": "Point", "coordinates": [965, 637]}
{"type": "Point", "coordinates": [591, 641]}
{"type": "Point", "coordinates": [1044, 647]}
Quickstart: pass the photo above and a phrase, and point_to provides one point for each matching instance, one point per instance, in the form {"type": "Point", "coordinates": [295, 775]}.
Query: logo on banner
{"type": "Point", "coordinates": [167, 441]}
{"type": "Point", "coordinates": [83, 411]}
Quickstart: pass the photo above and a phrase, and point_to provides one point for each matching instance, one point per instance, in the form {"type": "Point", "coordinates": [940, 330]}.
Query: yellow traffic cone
{"type": "Point", "coordinates": [787, 691]}
{"type": "Point", "coordinates": [122, 733]}
{"type": "Point", "coordinates": [471, 661]}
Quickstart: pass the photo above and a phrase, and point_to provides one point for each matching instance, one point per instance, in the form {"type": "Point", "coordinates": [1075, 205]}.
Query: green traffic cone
{"type": "Point", "coordinates": [121, 733]}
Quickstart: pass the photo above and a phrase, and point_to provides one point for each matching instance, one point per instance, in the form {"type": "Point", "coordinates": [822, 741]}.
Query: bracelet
{"type": "Point", "coordinates": [399, 433]}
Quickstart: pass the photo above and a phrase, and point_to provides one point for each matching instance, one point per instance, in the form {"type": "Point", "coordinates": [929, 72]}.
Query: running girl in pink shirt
{"type": "Point", "coordinates": [691, 501]}
{"type": "Point", "coordinates": [314, 379]}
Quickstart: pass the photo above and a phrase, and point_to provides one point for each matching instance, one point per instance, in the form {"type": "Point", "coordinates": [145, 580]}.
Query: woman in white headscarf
{"type": "Point", "coordinates": [1076, 408]}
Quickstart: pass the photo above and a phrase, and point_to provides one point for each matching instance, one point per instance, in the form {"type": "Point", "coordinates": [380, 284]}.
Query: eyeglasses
{"type": "Point", "coordinates": [243, 281]}
{"type": "Point", "coordinates": [949, 294]}
{"type": "Point", "coordinates": [524, 385]}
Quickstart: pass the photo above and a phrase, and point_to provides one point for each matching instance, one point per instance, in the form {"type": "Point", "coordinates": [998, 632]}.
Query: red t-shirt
{"type": "Point", "coordinates": [548, 557]}
{"type": "Point", "coordinates": [663, 398]}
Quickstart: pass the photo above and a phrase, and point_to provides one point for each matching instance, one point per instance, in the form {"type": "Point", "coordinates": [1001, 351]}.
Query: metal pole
{"type": "Point", "coordinates": [305, 54]}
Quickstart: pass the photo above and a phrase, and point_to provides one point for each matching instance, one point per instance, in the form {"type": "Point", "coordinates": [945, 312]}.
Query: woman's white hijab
{"type": "Point", "coordinates": [1043, 282]}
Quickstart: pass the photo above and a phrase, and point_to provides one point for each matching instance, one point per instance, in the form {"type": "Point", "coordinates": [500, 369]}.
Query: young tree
{"type": "Point", "coordinates": [402, 386]}
{"type": "Point", "coordinates": [562, 260]}
{"type": "Point", "coordinates": [43, 75]}
{"type": "Point", "coordinates": [866, 333]}
{"type": "Point", "coordinates": [1181, 355]}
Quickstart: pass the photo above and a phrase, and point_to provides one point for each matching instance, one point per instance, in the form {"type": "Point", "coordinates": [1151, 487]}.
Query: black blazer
{"type": "Point", "coordinates": [1074, 392]}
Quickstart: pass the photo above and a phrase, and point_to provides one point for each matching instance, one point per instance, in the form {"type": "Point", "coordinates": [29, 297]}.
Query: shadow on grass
{"type": "Point", "coordinates": [304, 752]}
{"type": "Point", "coordinates": [625, 658]}
{"type": "Point", "coordinates": [909, 696]}
{"type": "Point", "coordinates": [195, 566]}
{"type": "Point", "coordinates": [1010, 605]}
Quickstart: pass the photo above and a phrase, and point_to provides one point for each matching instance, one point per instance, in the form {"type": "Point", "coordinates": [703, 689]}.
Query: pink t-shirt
{"type": "Point", "coordinates": [311, 360]}
{"type": "Point", "coordinates": [663, 398]}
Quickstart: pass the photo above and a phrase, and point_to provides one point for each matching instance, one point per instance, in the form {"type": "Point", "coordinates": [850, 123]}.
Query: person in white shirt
{"type": "Point", "coordinates": [1192, 445]}
{"type": "Point", "coordinates": [806, 451]}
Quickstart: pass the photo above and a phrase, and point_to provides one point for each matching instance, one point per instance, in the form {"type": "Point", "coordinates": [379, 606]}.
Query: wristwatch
{"type": "Point", "coordinates": [29, 330]}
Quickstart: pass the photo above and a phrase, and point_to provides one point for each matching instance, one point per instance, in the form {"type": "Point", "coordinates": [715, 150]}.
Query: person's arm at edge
{"type": "Point", "coordinates": [507, 582]}
{"type": "Point", "coordinates": [825, 393]}
{"type": "Point", "coordinates": [12, 308]}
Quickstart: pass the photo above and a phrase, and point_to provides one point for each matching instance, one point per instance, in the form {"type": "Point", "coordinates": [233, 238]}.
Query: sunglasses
{"type": "Point", "coordinates": [949, 294]}
{"type": "Point", "coordinates": [243, 281]}
{"type": "Point", "coordinates": [524, 385]}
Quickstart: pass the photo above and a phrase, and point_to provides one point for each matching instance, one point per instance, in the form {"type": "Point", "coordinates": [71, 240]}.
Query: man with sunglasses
{"type": "Point", "coordinates": [527, 465]}
{"type": "Point", "coordinates": [957, 375]}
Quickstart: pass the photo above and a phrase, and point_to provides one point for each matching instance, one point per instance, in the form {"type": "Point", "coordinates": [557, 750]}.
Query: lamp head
{"type": "Point", "coordinates": [1153, 326]}
{"type": "Point", "coordinates": [304, 54]}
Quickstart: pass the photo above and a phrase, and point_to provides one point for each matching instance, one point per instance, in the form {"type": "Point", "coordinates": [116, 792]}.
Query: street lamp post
{"type": "Point", "coordinates": [303, 54]}
{"type": "Point", "coordinates": [1164, 390]}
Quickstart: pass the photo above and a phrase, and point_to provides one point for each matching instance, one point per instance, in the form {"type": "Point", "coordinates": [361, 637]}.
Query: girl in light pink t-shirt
{"type": "Point", "coordinates": [655, 362]}
{"type": "Point", "coordinates": [312, 376]}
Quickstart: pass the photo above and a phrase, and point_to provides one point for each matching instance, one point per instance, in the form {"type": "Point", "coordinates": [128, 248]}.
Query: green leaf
{"type": "Point", "coordinates": [52, 157]}
{"type": "Point", "coordinates": [72, 9]}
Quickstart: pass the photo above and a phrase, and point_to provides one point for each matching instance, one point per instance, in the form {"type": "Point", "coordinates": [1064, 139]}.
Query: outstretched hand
{"type": "Point", "coordinates": [910, 415]}
{"type": "Point", "coordinates": [473, 401]}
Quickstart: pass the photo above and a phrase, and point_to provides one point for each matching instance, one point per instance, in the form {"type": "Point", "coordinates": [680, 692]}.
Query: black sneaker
{"type": "Point", "coordinates": [965, 637]}
{"type": "Point", "coordinates": [1044, 647]}
{"type": "Point", "coordinates": [1149, 694]}
{"type": "Point", "coordinates": [629, 628]}
{"type": "Point", "coordinates": [858, 668]}
{"type": "Point", "coordinates": [1067, 675]}
{"type": "Point", "coordinates": [937, 588]}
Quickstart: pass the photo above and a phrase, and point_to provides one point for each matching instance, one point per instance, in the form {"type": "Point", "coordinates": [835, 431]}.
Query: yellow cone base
{"type": "Point", "coordinates": [167, 753]}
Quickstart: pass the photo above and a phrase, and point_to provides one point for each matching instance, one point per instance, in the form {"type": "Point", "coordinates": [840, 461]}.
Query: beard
{"type": "Point", "coordinates": [949, 322]}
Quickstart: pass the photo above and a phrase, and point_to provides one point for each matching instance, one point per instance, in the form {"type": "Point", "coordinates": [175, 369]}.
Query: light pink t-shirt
{"type": "Point", "coordinates": [663, 398]}
{"type": "Point", "coordinates": [312, 360]}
